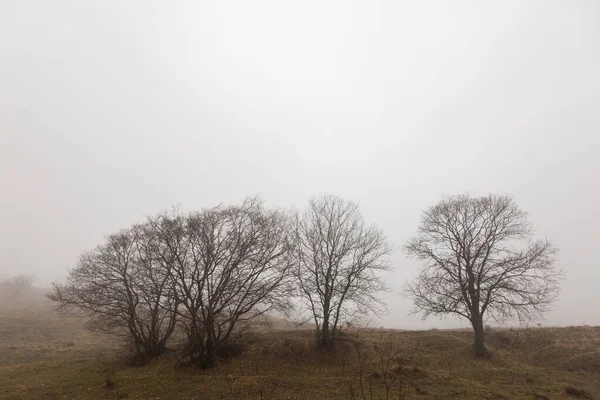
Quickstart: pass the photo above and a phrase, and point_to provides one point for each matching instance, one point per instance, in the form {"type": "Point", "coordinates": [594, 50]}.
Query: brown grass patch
{"type": "Point", "coordinates": [578, 393]}
{"type": "Point", "coordinates": [54, 358]}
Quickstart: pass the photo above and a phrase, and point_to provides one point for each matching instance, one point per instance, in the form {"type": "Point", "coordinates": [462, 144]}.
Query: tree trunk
{"type": "Point", "coordinates": [209, 359]}
{"type": "Point", "coordinates": [195, 342]}
{"type": "Point", "coordinates": [325, 335]}
{"type": "Point", "coordinates": [477, 322]}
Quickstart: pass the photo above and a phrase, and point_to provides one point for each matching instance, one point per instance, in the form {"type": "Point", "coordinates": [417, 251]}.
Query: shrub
{"type": "Point", "coordinates": [109, 368]}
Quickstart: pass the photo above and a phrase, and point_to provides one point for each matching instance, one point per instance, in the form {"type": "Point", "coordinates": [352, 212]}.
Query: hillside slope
{"type": "Point", "coordinates": [46, 356]}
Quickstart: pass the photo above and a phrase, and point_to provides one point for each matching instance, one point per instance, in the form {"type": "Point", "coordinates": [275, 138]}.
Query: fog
{"type": "Point", "coordinates": [110, 111]}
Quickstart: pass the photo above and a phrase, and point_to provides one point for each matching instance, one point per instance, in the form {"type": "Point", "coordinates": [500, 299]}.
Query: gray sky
{"type": "Point", "coordinates": [113, 110]}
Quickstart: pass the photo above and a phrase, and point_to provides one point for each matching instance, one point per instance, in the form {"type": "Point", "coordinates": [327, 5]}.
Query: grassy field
{"type": "Point", "coordinates": [45, 356]}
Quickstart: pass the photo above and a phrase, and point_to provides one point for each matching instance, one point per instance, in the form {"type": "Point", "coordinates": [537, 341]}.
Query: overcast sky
{"type": "Point", "coordinates": [113, 110]}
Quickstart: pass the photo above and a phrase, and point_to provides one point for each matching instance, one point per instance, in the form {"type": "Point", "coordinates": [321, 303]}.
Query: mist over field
{"type": "Point", "coordinates": [339, 199]}
{"type": "Point", "coordinates": [113, 111]}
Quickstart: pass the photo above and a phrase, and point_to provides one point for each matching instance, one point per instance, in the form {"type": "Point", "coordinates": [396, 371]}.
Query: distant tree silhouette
{"type": "Point", "coordinates": [14, 289]}
{"type": "Point", "coordinates": [19, 283]}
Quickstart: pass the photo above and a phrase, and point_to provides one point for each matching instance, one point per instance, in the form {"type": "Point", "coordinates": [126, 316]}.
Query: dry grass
{"type": "Point", "coordinates": [44, 356]}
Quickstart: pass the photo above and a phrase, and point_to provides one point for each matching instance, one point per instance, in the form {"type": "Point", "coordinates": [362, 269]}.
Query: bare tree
{"type": "Point", "coordinates": [474, 268]}
{"type": "Point", "coordinates": [339, 259]}
{"type": "Point", "coordinates": [120, 287]}
{"type": "Point", "coordinates": [232, 265]}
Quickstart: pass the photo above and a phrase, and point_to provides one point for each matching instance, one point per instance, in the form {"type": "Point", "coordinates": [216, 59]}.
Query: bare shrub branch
{"type": "Point", "coordinates": [380, 372]}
